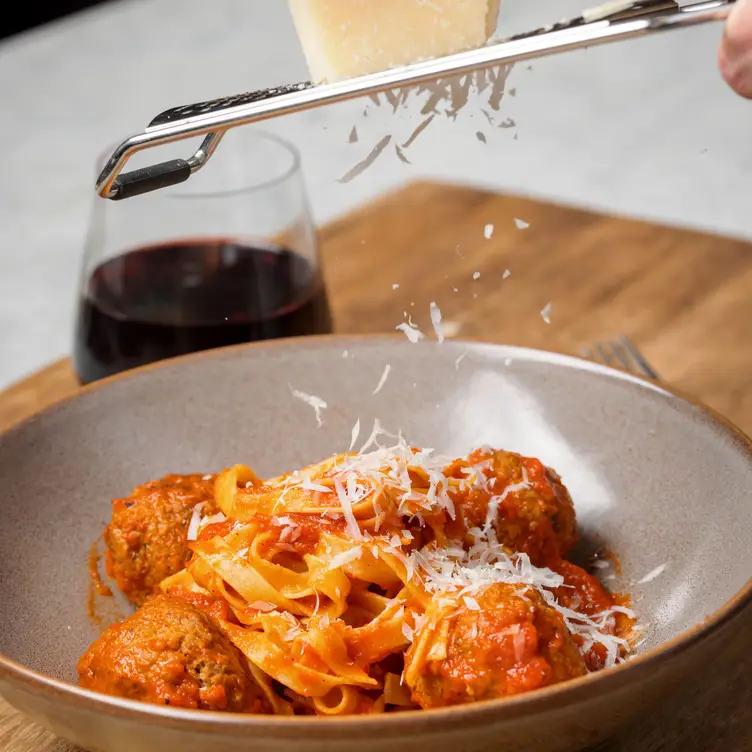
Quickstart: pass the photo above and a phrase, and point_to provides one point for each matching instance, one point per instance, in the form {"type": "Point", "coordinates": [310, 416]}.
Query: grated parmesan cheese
{"type": "Point", "coordinates": [308, 485]}
{"type": "Point", "coordinates": [495, 501]}
{"type": "Point", "coordinates": [650, 576]}
{"type": "Point", "coordinates": [346, 502]}
{"type": "Point", "coordinates": [345, 557]}
{"type": "Point", "coordinates": [412, 332]}
{"type": "Point", "coordinates": [521, 224]}
{"type": "Point", "coordinates": [195, 520]}
{"type": "Point", "coordinates": [488, 231]}
{"type": "Point", "coordinates": [383, 378]}
{"type": "Point", "coordinates": [315, 402]}
{"type": "Point", "coordinates": [454, 569]}
{"type": "Point", "coordinates": [282, 521]}
{"type": "Point", "coordinates": [407, 631]}
{"type": "Point", "coordinates": [436, 321]}
{"type": "Point", "coordinates": [354, 434]}
{"type": "Point", "coordinates": [213, 519]}
{"type": "Point", "coordinates": [458, 571]}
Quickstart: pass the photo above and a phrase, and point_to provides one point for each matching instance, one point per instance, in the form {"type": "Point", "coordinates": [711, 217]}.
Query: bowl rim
{"type": "Point", "coordinates": [391, 724]}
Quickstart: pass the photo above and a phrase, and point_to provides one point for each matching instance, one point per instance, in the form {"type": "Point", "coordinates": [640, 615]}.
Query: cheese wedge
{"type": "Point", "coordinates": [348, 38]}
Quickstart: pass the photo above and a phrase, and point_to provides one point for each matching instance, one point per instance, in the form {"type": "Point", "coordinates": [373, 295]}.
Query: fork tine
{"type": "Point", "coordinates": [642, 364]}
{"type": "Point", "coordinates": [605, 353]}
{"type": "Point", "coordinates": [624, 357]}
{"type": "Point", "coordinates": [620, 353]}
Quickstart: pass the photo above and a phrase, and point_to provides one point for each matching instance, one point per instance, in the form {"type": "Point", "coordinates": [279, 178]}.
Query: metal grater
{"type": "Point", "coordinates": [612, 22]}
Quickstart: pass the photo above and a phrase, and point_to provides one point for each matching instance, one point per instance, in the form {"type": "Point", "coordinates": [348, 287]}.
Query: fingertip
{"type": "Point", "coordinates": [736, 70]}
{"type": "Point", "coordinates": [735, 52]}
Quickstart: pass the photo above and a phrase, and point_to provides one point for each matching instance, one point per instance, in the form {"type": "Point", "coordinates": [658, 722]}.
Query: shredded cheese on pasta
{"type": "Point", "coordinates": [329, 570]}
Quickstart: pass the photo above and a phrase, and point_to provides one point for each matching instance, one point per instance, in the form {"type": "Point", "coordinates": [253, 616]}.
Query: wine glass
{"type": "Point", "coordinates": [228, 257]}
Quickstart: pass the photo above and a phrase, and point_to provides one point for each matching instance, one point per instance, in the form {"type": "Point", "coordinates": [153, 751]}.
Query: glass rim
{"type": "Point", "coordinates": [261, 135]}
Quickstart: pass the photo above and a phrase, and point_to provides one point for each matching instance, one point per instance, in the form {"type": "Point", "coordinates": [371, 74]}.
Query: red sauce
{"type": "Point", "coordinates": [97, 588]}
{"type": "Point", "coordinates": [216, 608]}
{"type": "Point", "coordinates": [511, 645]}
{"type": "Point", "coordinates": [306, 529]}
{"type": "Point", "coordinates": [220, 529]}
{"type": "Point", "coordinates": [96, 577]}
{"type": "Point", "coordinates": [584, 593]}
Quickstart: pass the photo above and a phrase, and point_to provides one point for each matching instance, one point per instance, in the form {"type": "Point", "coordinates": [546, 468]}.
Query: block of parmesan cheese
{"type": "Point", "coordinates": [348, 38]}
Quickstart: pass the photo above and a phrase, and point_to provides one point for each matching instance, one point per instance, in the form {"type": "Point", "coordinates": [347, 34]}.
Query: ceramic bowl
{"type": "Point", "coordinates": [656, 478]}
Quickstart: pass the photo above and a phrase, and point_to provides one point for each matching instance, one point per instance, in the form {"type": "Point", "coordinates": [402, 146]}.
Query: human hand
{"type": "Point", "coordinates": [735, 55]}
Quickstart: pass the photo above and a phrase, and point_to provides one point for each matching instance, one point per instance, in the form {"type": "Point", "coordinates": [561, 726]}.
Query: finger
{"type": "Point", "coordinates": [735, 55]}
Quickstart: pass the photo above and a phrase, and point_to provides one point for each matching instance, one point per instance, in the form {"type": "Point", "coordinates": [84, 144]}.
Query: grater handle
{"type": "Point", "coordinates": [152, 178]}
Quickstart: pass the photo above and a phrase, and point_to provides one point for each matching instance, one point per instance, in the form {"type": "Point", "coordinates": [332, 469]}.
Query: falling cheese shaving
{"type": "Point", "coordinates": [311, 399]}
{"type": "Point", "coordinates": [354, 434]}
{"type": "Point", "coordinates": [363, 165]}
{"type": "Point", "coordinates": [650, 576]}
{"type": "Point", "coordinates": [436, 322]}
{"type": "Point", "coordinates": [445, 98]}
{"type": "Point", "coordinates": [411, 331]}
{"type": "Point", "coordinates": [382, 380]}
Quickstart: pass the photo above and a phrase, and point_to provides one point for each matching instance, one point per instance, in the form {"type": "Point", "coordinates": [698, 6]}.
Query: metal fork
{"type": "Point", "coordinates": [620, 353]}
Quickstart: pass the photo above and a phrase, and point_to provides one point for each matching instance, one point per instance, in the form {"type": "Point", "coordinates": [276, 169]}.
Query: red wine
{"type": "Point", "coordinates": [167, 300]}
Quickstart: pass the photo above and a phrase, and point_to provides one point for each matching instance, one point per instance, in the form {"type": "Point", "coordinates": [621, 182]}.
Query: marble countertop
{"type": "Point", "coordinates": [645, 128]}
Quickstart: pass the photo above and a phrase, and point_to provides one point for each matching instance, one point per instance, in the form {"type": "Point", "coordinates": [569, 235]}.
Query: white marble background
{"type": "Point", "coordinates": [645, 128]}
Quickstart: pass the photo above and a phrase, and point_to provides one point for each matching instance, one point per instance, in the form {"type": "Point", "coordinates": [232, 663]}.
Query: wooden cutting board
{"type": "Point", "coordinates": [685, 298]}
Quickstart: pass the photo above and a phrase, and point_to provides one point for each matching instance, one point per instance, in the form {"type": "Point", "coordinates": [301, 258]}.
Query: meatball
{"type": "Point", "coordinates": [147, 537]}
{"type": "Point", "coordinates": [504, 641]}
{"type": "Point", "coordinates": [171, 653]}
{"type": "Point", "coordinates": [531, 510]}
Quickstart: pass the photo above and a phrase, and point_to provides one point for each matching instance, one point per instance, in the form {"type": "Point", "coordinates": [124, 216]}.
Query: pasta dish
{"type": "Point", "coordinates": [383, 580]}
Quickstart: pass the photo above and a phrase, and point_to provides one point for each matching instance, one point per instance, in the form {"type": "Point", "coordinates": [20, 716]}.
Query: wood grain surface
{"type": "Point", "coordinates": [685, 299]}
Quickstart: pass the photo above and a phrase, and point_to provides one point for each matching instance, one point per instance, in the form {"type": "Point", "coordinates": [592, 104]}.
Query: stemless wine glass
{"type": "Point", "coordinates": [230, 256]}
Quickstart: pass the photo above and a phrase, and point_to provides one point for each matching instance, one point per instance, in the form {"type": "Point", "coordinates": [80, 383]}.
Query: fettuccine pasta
{"type": "Point", "coordinates": [393, 579]}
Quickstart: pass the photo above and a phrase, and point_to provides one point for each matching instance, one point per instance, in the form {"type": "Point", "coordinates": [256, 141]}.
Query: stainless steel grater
{"type": "Point", "coordinates": [611, 22]}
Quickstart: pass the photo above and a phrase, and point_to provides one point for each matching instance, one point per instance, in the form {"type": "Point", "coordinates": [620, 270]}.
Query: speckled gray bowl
{"type": "Point", "coordinates": [656, 478]}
